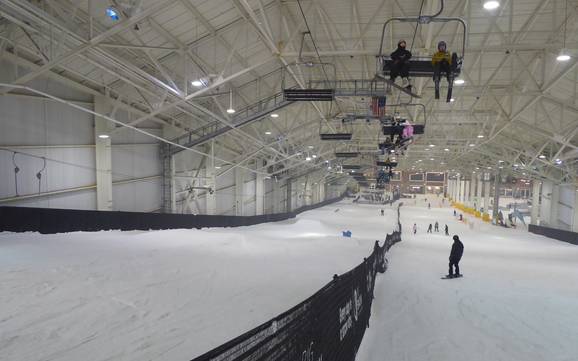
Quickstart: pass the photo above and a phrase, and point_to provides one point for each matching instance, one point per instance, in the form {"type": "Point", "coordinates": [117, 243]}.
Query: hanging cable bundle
{"type": "Point", "coordinates": [16, 170]}
{"type": "Point", "coordinates": [39, 174]}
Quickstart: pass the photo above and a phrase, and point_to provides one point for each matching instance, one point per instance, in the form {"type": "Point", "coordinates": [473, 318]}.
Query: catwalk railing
{"type": "Point", "coordinates": [51, 220]}
{"type": "Point", "coordinates": [327, 326]}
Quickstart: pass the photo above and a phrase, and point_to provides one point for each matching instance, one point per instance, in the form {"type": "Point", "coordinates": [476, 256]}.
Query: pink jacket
{"type": "Point", "coordinates": [407, 131]}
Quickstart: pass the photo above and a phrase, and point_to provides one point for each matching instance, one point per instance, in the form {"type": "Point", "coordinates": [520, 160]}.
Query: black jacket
{"type": "Point", "coordinates": [457, 251]}
{"type": "Point", "coordinates": [400, 55]}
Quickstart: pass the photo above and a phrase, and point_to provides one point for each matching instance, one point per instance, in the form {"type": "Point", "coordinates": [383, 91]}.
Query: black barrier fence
{"type": "Point", "coordinates": [559, 234]}
{"type": "Point", "coordinates": [327, 326]}
{"type": "Point", "coordinates": [51, 220]}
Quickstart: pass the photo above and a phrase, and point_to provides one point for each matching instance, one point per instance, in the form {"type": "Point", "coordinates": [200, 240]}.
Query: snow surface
{"type": "Point", "coordinates": [168, 295]}
{"type": "Point", "coordinates": [518, 299]}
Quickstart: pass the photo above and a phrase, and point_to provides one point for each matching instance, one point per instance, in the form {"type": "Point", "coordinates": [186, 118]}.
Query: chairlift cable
{"type": "Point", "coordinates": [312, 39]}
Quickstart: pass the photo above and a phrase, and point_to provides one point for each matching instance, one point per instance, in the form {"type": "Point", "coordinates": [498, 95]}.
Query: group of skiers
{"type": "Point", "coordinates": [442, 62]}
{"type": "Point", "coordinates": [430, 227]}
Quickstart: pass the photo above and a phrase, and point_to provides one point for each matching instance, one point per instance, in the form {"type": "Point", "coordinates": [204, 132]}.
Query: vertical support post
{"type": "Point", "coordinates": [535, 213]}
{"type": "Point", "coordinates": [486, 193]}
{"type": "Point", "coordinates": [554, 205]}
{"type": "Point", "coordinates": [103, 127]}
{"type": "Point", "coordinates": [211, 181]}
{"type": "Point", "coordinates": [473, 190]}
{"type": "Point", "coordinates": [259, 191]}
{"type": "Point", "coordinates": [496, 206]}
{"type": "Point", "coordinates": [575, 218]}
{"type": "Point", "coordinates": [479, 192]}
{"type": "Point", "coordinates": [239, 185]}
{"type": "Point", "coordinates": [467, 193]}
{"type": "Point", "coordinates": [289, 201]}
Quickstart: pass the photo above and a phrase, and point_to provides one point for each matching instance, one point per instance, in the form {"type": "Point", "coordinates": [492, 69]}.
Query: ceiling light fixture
{"type": "Point", "coordinates": [542, 156]}
{"type": "Point", "coordinates": [563, 56]}
{"type": "Point", "coordinates": [268, 133]}
{"type": "Point", "coordinates": [308, 159]}
{"type": "Point", "coordinates": [231, 109]}
{"type": "Point", "coordinates": [104, 136]}
{"type": "Point", "coordinates": [480, 136]}
{"type": "Point", "coordinates": [472, 145]}
{"type": "Point", "coordinates": [274, 115]}
{"type": "Point", "coordinates": [491, 5]}
{"type": "Point", "coordinates": [446, 149]}
{"type": "Point", "coordinates": [459, 81]}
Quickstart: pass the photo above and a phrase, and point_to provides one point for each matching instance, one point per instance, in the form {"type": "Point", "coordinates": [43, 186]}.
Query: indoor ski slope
{"type": "Point", "coordinates": [517, 301]}
{"type": "Point", "coordinates": [168, 295]}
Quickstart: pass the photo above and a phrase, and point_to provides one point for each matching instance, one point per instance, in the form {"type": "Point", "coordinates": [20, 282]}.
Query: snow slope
{"type": "Point", "coordinates": [168, 295]}
{"type": "Point", "coordinates": [518, 299]}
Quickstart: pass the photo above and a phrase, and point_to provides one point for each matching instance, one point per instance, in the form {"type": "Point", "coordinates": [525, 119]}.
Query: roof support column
{"type": "Point", "coordinates": [535, 213]}
{"type": "Point", "coordinates": [102, 131]}
{"type": "Point", "coordinates": [479, 191]}
{"type": "Point", "coordinates": [575, 217]}
{"type": "Point", "coordinates": [259, 191]}
{"type": "Point", "coordinates": [289, 200]}
{"type": "Point", "coordinates": [210, 181]}
{"type": "Point", "coordinates": [487, 187]}
{"type": "Point", "coordinates": [496, 207]}
{"type": "Point", "coordinates": [239, 186]}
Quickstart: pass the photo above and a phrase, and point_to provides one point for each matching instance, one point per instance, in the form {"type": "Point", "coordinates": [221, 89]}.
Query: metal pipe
{"type": "Point", "coordinates": [122, 124]}
{"type": "Point", "coordinates": [71, 190]}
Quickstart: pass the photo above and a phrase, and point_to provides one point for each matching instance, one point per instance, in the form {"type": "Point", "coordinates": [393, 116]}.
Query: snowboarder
{"type": "Point", "coordinates": [447, 230]}
{"type": "Point", "coordinates": [414, 228]}
{"type": "Point", "coordinates": [442, 62]}
{"type": "Point", "coordinates": [429, 228]}
{"type": "Point", "coordinates": [437, 226]}
{"type": "Point", "coordinates": [455, 257]}
{"type": "Point", "coordinates": [400, 65]}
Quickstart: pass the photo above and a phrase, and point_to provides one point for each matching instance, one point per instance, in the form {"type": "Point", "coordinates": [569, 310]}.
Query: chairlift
{"type": "Point", "coordinates": [308, 69]}
{"type": "Point", "coordinates": [422, 66]}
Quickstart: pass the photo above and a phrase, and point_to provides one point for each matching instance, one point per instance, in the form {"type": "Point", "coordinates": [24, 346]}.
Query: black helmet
{"type": "Point", "coordinates": [442, 44]}
{"type": "Point", "coordinates": [456, 238]}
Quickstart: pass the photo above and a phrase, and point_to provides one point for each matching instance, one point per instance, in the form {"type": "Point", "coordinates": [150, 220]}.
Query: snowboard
{"type": "Point", "coordinates": [449, 278]}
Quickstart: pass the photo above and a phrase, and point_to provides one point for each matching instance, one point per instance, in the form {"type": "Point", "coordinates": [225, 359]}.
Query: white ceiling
{"type": "Point", "coordinates": [516, 94]}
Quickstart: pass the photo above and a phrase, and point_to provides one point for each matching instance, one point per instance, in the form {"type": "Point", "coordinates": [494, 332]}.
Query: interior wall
{"type": "Point", "coordinates": [34, 128]}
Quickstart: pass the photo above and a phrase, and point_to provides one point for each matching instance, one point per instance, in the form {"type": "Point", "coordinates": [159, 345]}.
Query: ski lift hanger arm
{"type": "Point", "coordinates": [426, 19]}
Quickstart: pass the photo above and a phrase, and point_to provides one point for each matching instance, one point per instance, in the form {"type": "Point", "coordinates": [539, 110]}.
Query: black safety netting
{"type": "Point", "coordinates": [327, 326]}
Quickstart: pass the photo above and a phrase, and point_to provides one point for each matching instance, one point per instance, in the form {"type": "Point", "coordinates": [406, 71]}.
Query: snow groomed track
{"type": "Point", "coordinates": [518, 299]}
{"type": "Point", "coordinates": [168, 295]}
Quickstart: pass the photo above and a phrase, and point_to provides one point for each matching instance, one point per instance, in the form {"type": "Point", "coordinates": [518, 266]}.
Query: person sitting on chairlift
{"type": "Point", "coordinates": [442, 63]}
{"type": "Point", "coordinates": [400, 65]}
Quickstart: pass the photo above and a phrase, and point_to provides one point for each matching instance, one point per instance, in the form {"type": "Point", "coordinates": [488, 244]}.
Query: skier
{"type": "Point", "coordinates": [447, 230]}
{"type": "Point", "coordinates": [429, 228]}
{"type": "Point", "coordinates": [429, 206]}
{"type": "Point", "coordinates": [400, 65]}
{"type": "Point", "coordinates": [437, 226]}
{"type": "Point", "coordinates": [455, 257]}
{"type": "Point", "coordinates": [414, 228]}
{"type": "Point", "coordinates": [454, 212]}
{"type": "Point", "coordinates": [442, 62]}
{"type": "Point", "coordinates": [382, 212]}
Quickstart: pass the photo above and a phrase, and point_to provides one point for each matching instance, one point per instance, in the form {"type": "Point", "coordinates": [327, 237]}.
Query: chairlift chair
{"type": "Point", "coordinates": [307, 68]}
{"type": "Point", "coordinates": [422, 66]}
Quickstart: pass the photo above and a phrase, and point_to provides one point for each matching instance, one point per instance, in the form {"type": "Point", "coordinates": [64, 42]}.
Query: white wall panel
{"type": "Point", "coordinates": [143, 196]}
